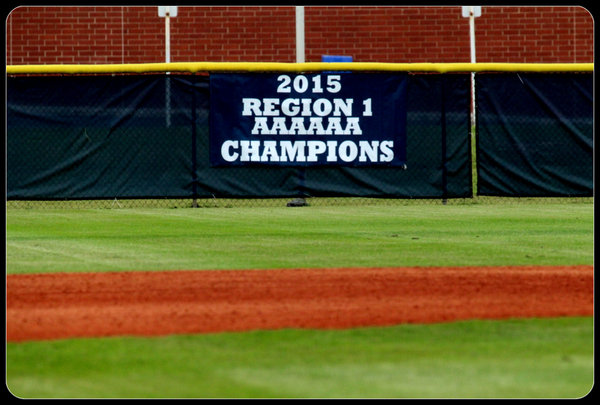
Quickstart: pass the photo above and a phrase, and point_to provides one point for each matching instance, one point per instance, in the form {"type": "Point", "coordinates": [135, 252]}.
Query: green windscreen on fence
{"type": "Point", "coordinates": [148, 136]}
{"type": "Point", "coordinates": [535, 134]}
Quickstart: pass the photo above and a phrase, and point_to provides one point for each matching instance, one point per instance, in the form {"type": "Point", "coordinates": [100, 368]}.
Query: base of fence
{"type": "Point", "coordinates": [297, 202]}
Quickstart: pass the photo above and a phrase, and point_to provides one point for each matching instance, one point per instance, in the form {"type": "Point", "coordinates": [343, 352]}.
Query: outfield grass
{"type": "Point", "coordinates": [535, 358]}
{"type": "Point", "coordinates": [279, 237]}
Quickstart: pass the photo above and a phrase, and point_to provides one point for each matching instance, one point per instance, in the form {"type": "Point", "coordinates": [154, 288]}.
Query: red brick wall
{"type": "Point", "coordinates": [230, 34]}
{"type": "Point", "coordinates": [388, 34]}
{"type": "Point", "coordinates": [535, 34]}
{"type": "Point", "coordinates": [45, 35]}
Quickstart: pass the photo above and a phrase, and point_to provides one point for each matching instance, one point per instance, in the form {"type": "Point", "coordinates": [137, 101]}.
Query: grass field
{"type": "Point", "coordinates": [548, 358]}
{"type": "Point", "coordinates": [280, 237]}
{"type": "Point", "coordinates": [521, 358]}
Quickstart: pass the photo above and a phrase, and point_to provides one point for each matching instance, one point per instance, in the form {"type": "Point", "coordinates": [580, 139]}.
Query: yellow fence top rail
{"type": "Point", "coordinates": [195, 67]}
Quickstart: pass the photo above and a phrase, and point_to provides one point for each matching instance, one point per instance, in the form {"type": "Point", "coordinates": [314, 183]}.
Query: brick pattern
{"type": "Point", "coordinates": [535, 34]}
{"type": "Point", "coordinates": [46, 35]}
{"type": "Point", "coordinates": [232, 34]}
{"type": "Point", "coordinates": [388, 34]}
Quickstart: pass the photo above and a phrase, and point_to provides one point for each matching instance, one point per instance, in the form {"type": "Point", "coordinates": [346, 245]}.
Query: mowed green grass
{"type": "Point", "coordinates": [280, 237]}
{"type": "Point", "coordinates": [534, 358]}
{"type": "Point", "coordinates": [521, 358]}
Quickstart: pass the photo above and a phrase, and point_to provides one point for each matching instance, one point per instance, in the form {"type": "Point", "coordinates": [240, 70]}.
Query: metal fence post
{"type": "Point", "coordinates": [444, 143]}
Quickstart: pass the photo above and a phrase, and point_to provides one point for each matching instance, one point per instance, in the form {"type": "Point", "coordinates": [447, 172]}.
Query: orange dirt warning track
{"type": "Point", "coordinates": [66, 305]}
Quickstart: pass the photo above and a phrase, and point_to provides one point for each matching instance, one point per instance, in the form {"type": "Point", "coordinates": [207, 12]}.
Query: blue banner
{"type": "Point", "coordinates": [321, 119]}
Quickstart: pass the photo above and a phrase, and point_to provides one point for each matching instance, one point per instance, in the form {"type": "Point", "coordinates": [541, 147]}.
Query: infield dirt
{"type": "Point", "coordinates": [67, 305]}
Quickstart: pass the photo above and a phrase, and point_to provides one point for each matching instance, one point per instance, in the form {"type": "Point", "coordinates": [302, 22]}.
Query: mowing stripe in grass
{"type": "Point", "coordinates": [242, 238]}
{"type": "Point", "coordinates": [533, 358]}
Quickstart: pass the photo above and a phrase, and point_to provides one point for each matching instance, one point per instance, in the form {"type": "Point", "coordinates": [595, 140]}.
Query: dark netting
{"type": "Point", "coordinates": [116, 141]}
{"type": "Point", "coordinates": [97, 137]}
{"type": "Point", "coordinates": [535, 134]}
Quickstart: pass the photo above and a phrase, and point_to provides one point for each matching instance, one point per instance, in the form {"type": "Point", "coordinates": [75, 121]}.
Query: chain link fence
{"type": "Point", "coordinates": [535, 134]}
{"type": "Point", "coordinates": [284, 202]}
{"type": "Point", "coordinates": [142, 141]}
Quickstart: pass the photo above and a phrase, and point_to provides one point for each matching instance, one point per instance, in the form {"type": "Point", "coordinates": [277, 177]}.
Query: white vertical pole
{"type": "Point", "coordinates": [167, 36]}
{"type": "Point", "coordinates": [472, 35]}
{"type": "Point", "coordinates": [300, 58]}
{"type": "Point", "coordinates": [472, 32]}
{"type": "Point", "coordinates": [168, 60]}
{"type": "Point", "coordinates": [300, 34]}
